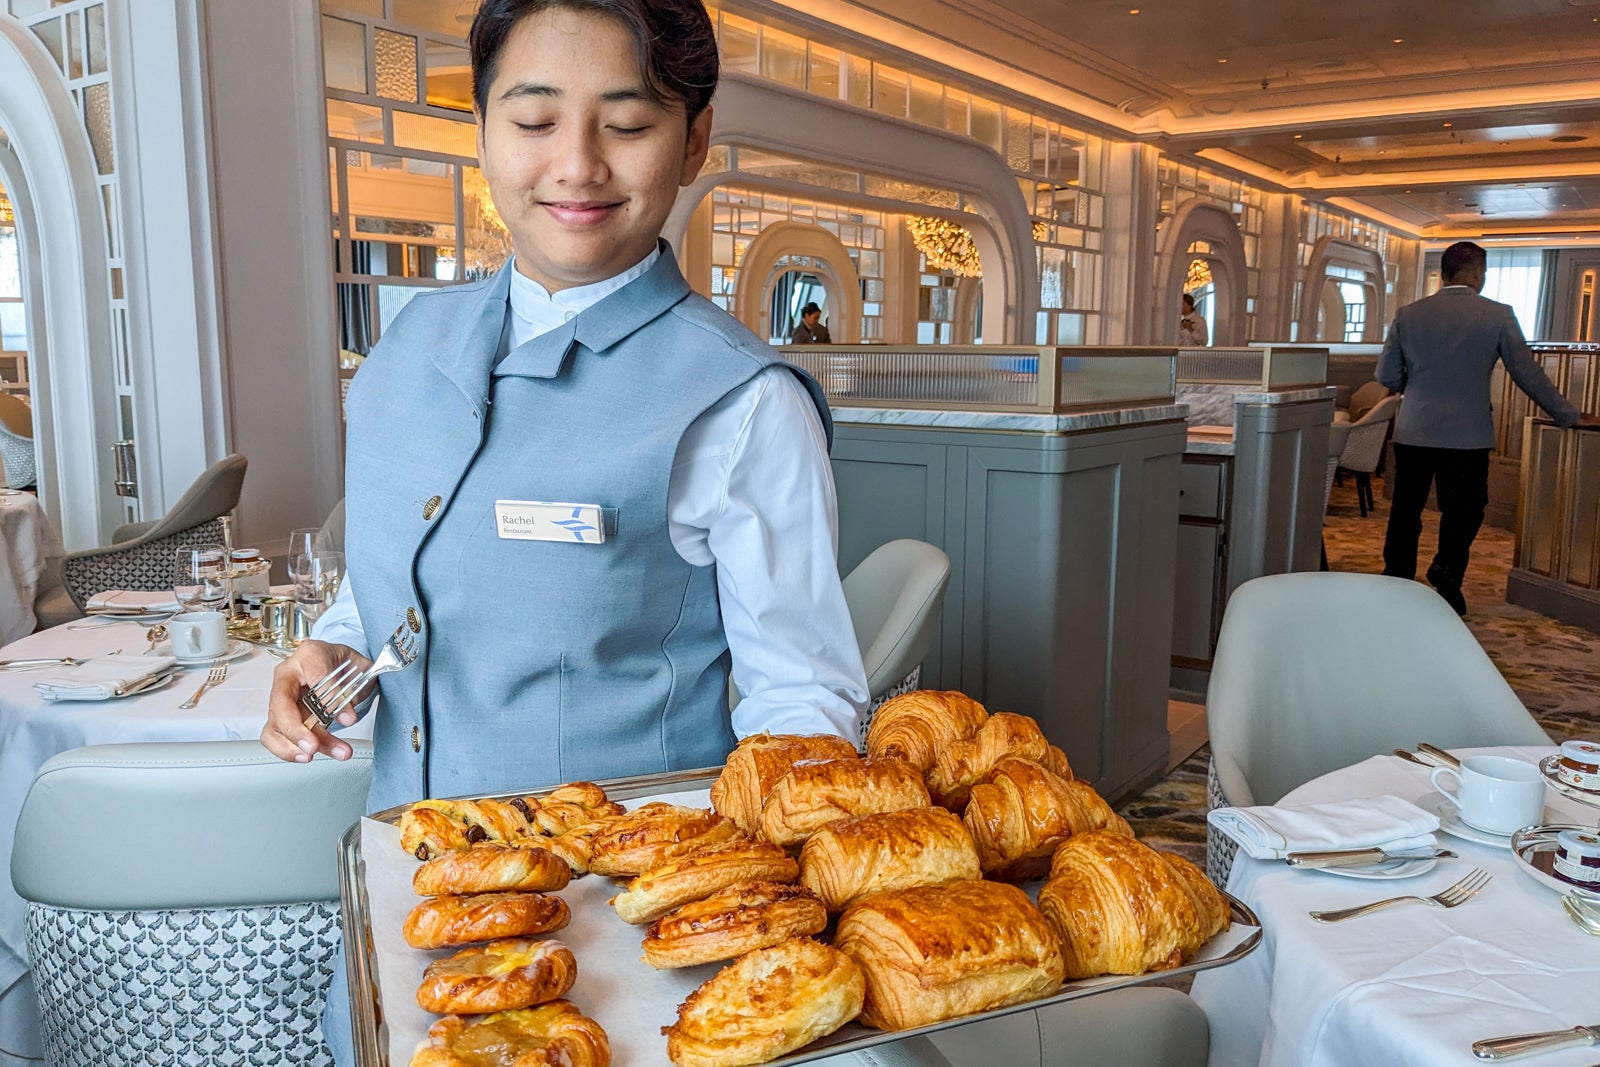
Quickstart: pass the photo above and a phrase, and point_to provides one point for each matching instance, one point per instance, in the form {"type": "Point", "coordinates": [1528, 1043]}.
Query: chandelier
{"type": "Point", "coordinates": [947, 245]}
{"type": "Point", "coordinates": [1199, 275]}
{"type": "Point", "coordinates": [7, 214]}
{"type": "Point", "coordinates": [488, 242]}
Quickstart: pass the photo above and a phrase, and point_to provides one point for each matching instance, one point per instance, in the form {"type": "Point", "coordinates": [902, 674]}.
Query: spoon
{"type": "Point", "coordinates": [1582, 912]}
{"type": "Point", "coordinates": [155, 635]}
{"type": "Point", "coordinates": [1412, 757]}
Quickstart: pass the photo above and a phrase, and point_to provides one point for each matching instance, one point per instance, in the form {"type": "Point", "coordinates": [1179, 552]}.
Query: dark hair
{"type": "Point", "coordinates": [676, 44]}
{"type": "Point", "coordinates": [1188, 301]}
{"type": "Point", "coordinates": [1459, 258]}
{"type": "Point", "coordinates": [810, 309]}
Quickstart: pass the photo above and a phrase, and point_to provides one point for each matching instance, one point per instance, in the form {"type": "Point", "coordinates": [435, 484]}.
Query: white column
{"type": "Point", "coordinates": [1129, 259]}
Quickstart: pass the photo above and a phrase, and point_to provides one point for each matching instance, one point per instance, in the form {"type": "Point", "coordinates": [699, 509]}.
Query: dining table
{"type": "Point", "coordinates": [29, 541]}
{"type": "Point", "coordinates": [1410, 985]}
{"type": "Point", "coordinates": [33, 729]}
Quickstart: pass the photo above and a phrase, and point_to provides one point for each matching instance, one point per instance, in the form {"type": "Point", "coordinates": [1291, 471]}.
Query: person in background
{"type": "Point", "coordinates": [1440, 353]}
{"type": "Point", "coordinates": [810, 331]}
{"type": "Point", "coordinates": [1192, 330]}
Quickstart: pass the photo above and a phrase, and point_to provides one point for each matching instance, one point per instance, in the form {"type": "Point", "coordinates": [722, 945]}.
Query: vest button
{"type": "Point", "coordinates": [414, 620]}
{"type": "Point", "coordinates": [431, 508]}
{"type": "Point", "coordinates": [416, 739]}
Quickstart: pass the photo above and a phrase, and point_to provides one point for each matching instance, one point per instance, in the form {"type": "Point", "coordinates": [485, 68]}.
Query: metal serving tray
{"type": "Point", "coordinates": [628, 997]}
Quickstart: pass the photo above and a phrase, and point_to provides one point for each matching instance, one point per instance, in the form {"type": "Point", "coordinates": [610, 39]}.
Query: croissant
{"type": "Point", "coordinates": [936, 952]}
{"type": "Point", "coordinates": [817, 792]}
{"type": "Point", "coordinates": [1023, 811]}
{"type": "Point", "coordinates": [1120, 907]}
{"type": "Point", "coordinates": [960, 765]}
{"type": "Point", "coordinates": [700, 874]}
{"type": "Point", "coordinates": [633, 843]}
{"type": "Point", "coordinates": [755, 766]}
{"type": "Point", "coordinates": [851, 859]}
{"type": "Point", "coordinates": [913, 726]}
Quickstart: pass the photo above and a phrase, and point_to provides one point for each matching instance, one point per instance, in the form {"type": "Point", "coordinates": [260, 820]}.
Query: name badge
{"type": "Point", "coordinates": [539, 520]}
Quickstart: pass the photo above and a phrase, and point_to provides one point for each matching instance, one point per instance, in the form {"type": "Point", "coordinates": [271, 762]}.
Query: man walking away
{"type": "Point", "coordinates": [1440, 353]}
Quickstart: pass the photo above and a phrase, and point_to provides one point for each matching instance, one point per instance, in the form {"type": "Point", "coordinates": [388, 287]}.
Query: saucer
{"type": "Point", "coordinates": [1535, 849]}
{"type": "Point", "coordinates": [1387, 869]}
{"type": "Point", "coordinates": [1450, 823]}
{"type": "Point", "coordinates": [235, 650]}
{"type": "Point", "coordinates": [1547, 767]}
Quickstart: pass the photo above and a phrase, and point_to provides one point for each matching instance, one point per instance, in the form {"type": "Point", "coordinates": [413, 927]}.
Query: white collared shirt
{"type": "Point", "coordinates": [752, 492]}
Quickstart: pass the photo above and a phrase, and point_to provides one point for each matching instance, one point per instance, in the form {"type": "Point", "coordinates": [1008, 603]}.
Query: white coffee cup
{"type": "Point", "coordinates": [1495, 794]}
{"type": "Point", "coordinates": [196, 634]}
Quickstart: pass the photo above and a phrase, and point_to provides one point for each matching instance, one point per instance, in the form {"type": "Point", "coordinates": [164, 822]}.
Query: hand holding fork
{"type": "Point", "coordinates": [344, 683]}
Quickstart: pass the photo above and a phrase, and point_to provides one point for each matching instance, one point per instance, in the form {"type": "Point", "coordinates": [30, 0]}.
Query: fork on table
{"type": "Point", "coordinates": [1450, 897]}
{"type": "Point", "coordinates": [345, 682]}
{"type": "Point", "coordinates": [214, 677]}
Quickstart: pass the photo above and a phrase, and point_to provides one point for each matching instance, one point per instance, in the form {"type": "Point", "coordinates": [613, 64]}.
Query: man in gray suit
{"type": "Point", "coordinates": [1440, 353]}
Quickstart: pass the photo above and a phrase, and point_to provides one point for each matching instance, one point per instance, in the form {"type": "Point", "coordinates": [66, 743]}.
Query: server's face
{"type": "Point", "coordinates": [582, 164]}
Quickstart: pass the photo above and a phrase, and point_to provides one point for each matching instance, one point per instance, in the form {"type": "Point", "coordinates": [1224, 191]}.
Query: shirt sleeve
{"type": "Point", "coordinates": [340, 624]}
{"type": "Point", "coordinates": [1530, 377]}
{"type": "Point", "coordinates": [752, 490]}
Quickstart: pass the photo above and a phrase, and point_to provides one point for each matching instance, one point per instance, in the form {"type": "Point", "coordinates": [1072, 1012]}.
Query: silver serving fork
{"type": "Point", "coordinates": [1450, 897]}
{"type": "Point", "coordinates": [214, 677]}
{"type": "Point", "coordinates": [345, 682]}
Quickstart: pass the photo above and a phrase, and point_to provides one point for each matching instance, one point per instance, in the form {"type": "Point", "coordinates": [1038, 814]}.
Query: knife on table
{"type": "Point", "coordinates": [1359, 857]}
{"type": "Point", "coordinates": [1500, 1048]}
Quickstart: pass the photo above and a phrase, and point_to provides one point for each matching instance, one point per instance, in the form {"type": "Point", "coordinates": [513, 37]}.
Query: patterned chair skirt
{"type": "Point", "coordinates": [900, 688]}
{"type": "Point", "coordinates": [1220, 849]}
{"type": "Point", "coordinates": [219, 988]}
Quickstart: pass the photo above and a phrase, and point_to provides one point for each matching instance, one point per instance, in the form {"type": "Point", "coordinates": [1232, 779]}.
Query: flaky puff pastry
{"type": "Point", "coordinates": [433, 827]}
{"type": "Point", "coordinates": [490, 867]}
{"type": "Point", "coordinates": [851, 859]}
{"type": "Point", "coordinates": [631, 844]}
{"type": "Point", "coordinates": [1023, 811]}
{"type": "Point", "coordinates": [731, 922]}
{"type": "Point", "coordinates": [766, 1004]}
{"type": "Point", "coordinates": [937, 952]}
{"type": "Point", "coordinates": [566, 806]}
{"type": "Point", "coordinates": [556, 1034]}
{"type": "Point", "coordinates": [960, 765]}
{"type": "Point", "coordinates": [1121, 907]}
{"type": "Point", "coordinates": [915, 725]}
{"type": "Point", "coordinates": [445, 922]}
{"type": "Point", "coordinates": [817, 792]}
{"type": "Point", "coordinates": [755, 766]}
{"type": "Point", "coordinates": [700, 874]}
{"type": "Point", "coordinates": [500, 976]}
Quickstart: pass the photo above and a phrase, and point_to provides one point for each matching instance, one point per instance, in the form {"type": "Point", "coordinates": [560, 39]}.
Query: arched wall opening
{"type": "Point", "coordinates": [1197, 220]}
{"type": "Point", "coordinates": [1332, 258]}
{"type": "Point", "coordinates": [764, 261]}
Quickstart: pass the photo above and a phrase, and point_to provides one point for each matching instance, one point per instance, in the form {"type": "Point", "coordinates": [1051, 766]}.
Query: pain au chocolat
{"type": "Point", "coordinates": [851, 859]}
{"type": "Point", "coordinates": [445, 922]}
{"type": "Point", "coordinates": [1021, 813]}
{"type": "Point", "coordinates": [491, 867]}
{"type": "Point", "coordinates": [700, 874]}
{"type": "Point", "coordinates": [731, 922]}
{"type": "Point", "coordinates": [1121, 907]}
{"type": "Point", "coordinates": [766, 1004]}
{"type": "Point", "coordinates": [816, 792]}
{"type": "Point", "coordinates": [936, 952]}
{"type": "Point", "coordinates": [755, 766]}
{"type": "Point", "coordinates": [556, 1034]}
{"type": "Point", "coordinates": [915, 725]}
{"type": "Point", "coordinates": [500, 976]}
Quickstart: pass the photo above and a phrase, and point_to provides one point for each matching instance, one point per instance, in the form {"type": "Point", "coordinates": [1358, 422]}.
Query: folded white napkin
{"type": "Point", "coordinates": [103, 678]}
{"type": "Point", "coordinates": [1385, 822]}
{"type": "Point", "coordinates": [132, 600]}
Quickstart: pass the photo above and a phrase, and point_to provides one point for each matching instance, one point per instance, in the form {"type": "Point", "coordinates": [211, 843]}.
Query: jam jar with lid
{"type": "Point", "coordinates": [1579, 765]}
{"type": "Point", "coordinates": [1578, 858]}
{"type": "Point", "coordinates": [249, 572]}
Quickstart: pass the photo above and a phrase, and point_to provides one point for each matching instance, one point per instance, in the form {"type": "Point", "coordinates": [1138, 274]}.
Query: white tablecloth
{"type": "Point", "coordinates": [1412, 985]}
{"type": "Point", "coordinates": [32, 730]}
{"type": "Point", "coordinates": [28, 540]}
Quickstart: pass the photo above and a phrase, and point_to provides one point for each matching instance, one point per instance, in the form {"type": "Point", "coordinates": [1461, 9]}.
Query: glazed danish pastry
{"type": "Point", "coordinates": [755, 766]}
{"type": "Point", "coordinates": [445, 922]}
{"type": "Point", "coordinates": [960, 765]}
{"type": "Point", "coordinates": [457, 824]}
{"type": "Point", "coordinates": [732, 922]}
{"type": "Point", "coordinates": [566, 806]}
{"type": "Point", "coordinates": [816, 792]}
{"type": "Point", "coordinates": [915, 725]}
{"type": "Point", "coordinates": [936, 952]}
{"type": "Point", "coordinates": [500, 976]}
{"type": "Point", "coordinates": [767, 1003]}
{"type": "Point", "coordinates": [556, 1034]}
{"type": "Point", "coordinates": [700, 874]}
{"type": "Point", "coordinates": [491, 867]}
{"type": "Point", "coordinates": [633, 843]}
{"type": "Point", "coordinates": [1023, 811]}
{"type": "Point", "coordinates": [851, 859]}
{"type": "Point", "coordinates": [1121, 907]}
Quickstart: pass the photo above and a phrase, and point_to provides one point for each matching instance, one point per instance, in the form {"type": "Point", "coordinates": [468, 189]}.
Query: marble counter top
{"type": "Point", "coordinates": [1029, 421]}
{"type": "Point", "coordinates": [1292, 396]}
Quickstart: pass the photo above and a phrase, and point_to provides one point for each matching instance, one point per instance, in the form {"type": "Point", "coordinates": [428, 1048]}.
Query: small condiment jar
{"type": "Point", "coordinates": [1578, 858]}
{"type": "Point", "coordinates": [249, 572]}
{"type": "Point", "coordinates": [1579, 765]}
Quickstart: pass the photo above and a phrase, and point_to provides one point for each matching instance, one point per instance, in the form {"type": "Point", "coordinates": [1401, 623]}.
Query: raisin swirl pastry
{"type": "Point", "coordinates": [500, 976]}
{"type": "Point", "coordinates": [445, 922]}
{"type": "Point", "coordinates": [556, 1034]}
{"type": "Point", "coordinates": [433, 827]}
{"type": "Point", "coordinates": [490, 867]}
{"type": "Point", "coordinates": [732, 922]}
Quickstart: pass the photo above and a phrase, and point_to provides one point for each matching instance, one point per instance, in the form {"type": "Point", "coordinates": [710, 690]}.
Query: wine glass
{"type": "Point", "coordinates": [305, 542]}
{"type": "Point", "coordinates": [317, 576]}
{"type": "Point", "coordinates": [202, 578]}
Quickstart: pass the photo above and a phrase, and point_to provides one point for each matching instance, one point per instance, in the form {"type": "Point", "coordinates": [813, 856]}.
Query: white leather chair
{"type": "Point", "coordinates": [183, 901]}
{"type": "Point", "coordinates": [1316, 671]}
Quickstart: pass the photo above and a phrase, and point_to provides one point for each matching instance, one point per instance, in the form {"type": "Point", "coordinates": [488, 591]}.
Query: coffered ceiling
{"type": "Point", "coordinates": [1479, 117]}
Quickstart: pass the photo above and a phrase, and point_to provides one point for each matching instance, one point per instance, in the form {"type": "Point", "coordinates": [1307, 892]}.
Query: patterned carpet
{"type": "Point", "coordinates": [1555, 669]}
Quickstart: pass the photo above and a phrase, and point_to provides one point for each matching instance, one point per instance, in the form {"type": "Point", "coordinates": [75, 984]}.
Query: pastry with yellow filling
{"type": "Point", "coordinates": [556, 1034]}
{"type": "Point", "coordinates": [491, 867]}
{"type": "Point", "coordinates": [700, 874]}
{"type": "Point", "coordinates": [445, 922]}
{"type": "Point", "coordinates": [500, 976]}
{"type": "Point", "coordinates": [732, 922]}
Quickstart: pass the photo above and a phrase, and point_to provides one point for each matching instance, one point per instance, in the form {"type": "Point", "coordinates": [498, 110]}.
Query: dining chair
{"type": "Point", "coordinates": [1317, 671]}
{"type": "Point", "coordinates": [17, 459]}
{"type": "Point", "coordinates": [1365, 398]}
{"type": "Point", "coordinates": [142, 554]}
{"type": "Point", "coordinates": [1363, 448]}
{"type": "Point", "coordinates": [183, 901]}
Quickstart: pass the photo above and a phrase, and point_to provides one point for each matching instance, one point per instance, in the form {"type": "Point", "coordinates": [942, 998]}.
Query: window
{"type": "Point", "coordinates": [1515, 277]}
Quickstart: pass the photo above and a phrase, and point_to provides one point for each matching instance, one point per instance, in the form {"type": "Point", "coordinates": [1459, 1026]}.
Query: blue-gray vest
{"type": "Point", "coordinates": [545, 661]}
